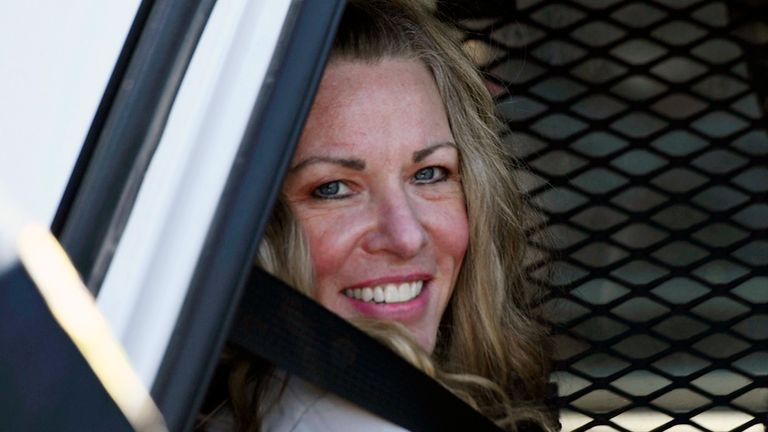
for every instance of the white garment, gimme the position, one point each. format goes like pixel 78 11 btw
pixel 304 407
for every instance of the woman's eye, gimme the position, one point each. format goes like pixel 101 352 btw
pixel 334 189
pixel 430 175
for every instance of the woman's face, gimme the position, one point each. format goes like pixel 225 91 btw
pixel 375 187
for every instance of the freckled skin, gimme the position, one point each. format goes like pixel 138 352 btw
pixel 387 222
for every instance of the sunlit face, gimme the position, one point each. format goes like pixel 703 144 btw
pixel 375 186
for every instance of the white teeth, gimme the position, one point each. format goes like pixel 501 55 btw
pixel 378 294
pixel 404 291
pixel 367 294
pixel 389 293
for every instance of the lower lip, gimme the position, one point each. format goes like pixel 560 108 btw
pixel 395 311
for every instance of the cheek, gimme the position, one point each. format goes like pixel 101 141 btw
pixel 459 234
pixel 326 255
pixel 329 247
pixel 450 229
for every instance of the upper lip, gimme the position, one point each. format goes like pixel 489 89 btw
pixel 396 279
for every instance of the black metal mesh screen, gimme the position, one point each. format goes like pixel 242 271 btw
pixel 642 125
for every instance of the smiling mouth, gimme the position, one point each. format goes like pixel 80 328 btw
pixel 387 293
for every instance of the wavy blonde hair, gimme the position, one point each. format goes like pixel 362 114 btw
pixel 492 347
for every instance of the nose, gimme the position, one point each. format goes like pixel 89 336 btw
pixel 398 229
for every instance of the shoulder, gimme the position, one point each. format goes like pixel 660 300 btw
pixel 303 407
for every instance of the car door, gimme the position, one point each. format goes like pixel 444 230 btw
pixel 177 172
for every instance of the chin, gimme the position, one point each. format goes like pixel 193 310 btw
pixel 424 340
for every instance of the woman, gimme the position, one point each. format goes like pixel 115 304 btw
pixel 399 212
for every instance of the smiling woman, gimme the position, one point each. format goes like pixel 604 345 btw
pixel 376 191
pixel 400 213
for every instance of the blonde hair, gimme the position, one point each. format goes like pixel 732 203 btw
pixel 492 347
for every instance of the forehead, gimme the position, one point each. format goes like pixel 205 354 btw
pixel 387 101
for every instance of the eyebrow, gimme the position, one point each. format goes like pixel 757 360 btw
pixel 422 154
pixel 359 165
pixel 355 164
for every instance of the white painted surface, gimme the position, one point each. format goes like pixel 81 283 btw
pixel 147 282
pixel 55 61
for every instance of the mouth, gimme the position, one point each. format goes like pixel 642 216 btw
pixel 389 293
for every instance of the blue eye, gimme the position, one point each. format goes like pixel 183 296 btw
pixel 430 175
pixel 331 190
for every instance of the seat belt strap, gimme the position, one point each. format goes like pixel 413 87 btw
pixel 300 336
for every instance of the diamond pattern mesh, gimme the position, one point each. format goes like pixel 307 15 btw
pixel 641 123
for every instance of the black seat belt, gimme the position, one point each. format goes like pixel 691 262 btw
pixel 300 336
